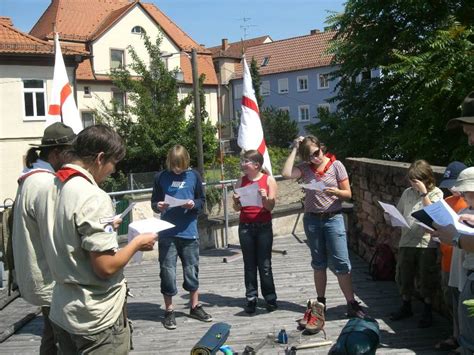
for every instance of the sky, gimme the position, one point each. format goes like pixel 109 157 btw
pixel 208 21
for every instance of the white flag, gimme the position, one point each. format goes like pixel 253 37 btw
pixel 250 129
pixel 62 107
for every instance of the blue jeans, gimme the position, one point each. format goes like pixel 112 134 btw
pixel 256 241
pixel 188 251
pixel 327 241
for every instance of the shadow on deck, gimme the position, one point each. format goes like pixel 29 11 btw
pixel 222 293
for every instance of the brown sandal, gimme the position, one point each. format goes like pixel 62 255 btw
pixel 448 344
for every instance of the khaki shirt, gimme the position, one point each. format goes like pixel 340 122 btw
pixel 32 236
pixel 411 201
pixel 83 303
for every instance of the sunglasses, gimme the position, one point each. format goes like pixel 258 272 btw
pixel 315 154
pixel 247 161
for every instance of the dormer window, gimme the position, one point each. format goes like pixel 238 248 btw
pixel 265 61
pixel 138 30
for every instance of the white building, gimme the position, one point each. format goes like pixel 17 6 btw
pixel 26 79
pixel 106 29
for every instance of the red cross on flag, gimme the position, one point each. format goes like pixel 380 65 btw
pixel 250 129
pixel 62 107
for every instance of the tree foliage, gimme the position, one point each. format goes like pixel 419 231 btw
pixel 153 118
pixel 424 50
pixel 278 128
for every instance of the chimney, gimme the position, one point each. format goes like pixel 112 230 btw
pixel 225 44
pixel 313 32
pixel 6 21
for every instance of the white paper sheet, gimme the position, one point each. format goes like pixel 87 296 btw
pixel 150 225
pixel 443 215
pixel 174 202
pixel 249 195
pixel 314 185
pixel 396 218
pixel 127 211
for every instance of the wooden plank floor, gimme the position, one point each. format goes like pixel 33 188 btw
pixel 222 293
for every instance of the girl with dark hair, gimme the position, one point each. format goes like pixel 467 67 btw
pixel 255 232
pixel 323 221
pixel 89 298
pixel 417 253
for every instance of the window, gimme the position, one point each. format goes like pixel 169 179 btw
pixel 116 58
pixel 34 95
pixel 365 75
pixel 303 113
pixel 302 83
pixel 238 91
pixel 265 88
pixel 119 99
pixel 283 86
pixel 323 81
pixel 87 118
pixel 87 91
pixel 265 61
pixel 284 109
pixel 325 107
pixel 138 30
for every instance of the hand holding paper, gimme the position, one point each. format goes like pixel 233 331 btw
pixel 175 202
pixel 249 195
pixel 396 218
pixel 314 185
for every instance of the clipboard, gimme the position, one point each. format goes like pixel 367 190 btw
pixel 423 217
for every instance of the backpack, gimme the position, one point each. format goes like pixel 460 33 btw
pixel 6 244
pixel 383 264
pixel 358 337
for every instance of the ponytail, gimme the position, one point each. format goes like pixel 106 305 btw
pixel 31 157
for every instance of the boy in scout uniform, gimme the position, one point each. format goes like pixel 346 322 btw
pixel 88 306
pixel 33 223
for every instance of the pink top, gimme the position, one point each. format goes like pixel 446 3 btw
pixel 318 201
pixel 255 214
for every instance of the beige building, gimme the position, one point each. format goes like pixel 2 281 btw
pixel 227 62
pixel 106 29
pixel 26 79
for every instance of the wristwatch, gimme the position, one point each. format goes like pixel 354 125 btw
pixel 457 240
pixel 424 195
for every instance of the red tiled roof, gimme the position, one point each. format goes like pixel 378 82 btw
pixel 235 49
pixel 13 41
pixel 291 54
pixel 205 66
pixel 6 21
pixel 85 20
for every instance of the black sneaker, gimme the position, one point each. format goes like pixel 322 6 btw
pixel 426 320
pixel 355 310
pixel 251 306
pixel 271 305
pixel 170 321
pixel 199 313
pixel 404 312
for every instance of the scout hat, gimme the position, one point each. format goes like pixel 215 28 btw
pixel 451 174
pixel 467 113
pixel 465 181
pixel 56 134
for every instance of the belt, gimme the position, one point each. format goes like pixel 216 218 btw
pixel 325 215
pixel 469 272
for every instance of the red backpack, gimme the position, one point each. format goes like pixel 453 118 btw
pixel 383 264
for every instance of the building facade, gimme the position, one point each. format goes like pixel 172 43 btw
pixel 26 80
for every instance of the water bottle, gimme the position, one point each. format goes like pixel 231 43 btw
pixel 283 337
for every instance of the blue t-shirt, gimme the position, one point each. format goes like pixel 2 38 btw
pixel 187 186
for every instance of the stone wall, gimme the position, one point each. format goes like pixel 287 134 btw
pixel 372 181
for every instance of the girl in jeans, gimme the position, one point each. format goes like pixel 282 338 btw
pixel 255 232
pixel 323 221
pixel 181 182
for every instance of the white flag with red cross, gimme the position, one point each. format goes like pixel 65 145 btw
pixel 250 129
pixel 62 107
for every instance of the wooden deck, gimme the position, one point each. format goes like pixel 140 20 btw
pixel 222 293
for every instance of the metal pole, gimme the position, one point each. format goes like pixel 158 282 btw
pixel 197 112
pixel 226 217
pixel 219 120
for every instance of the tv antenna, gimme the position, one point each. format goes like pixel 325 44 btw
pixel 246 26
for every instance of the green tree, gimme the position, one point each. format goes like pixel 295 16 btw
pixel 153 118
pixel 278 128
pixel 424 50
pixel 256 81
